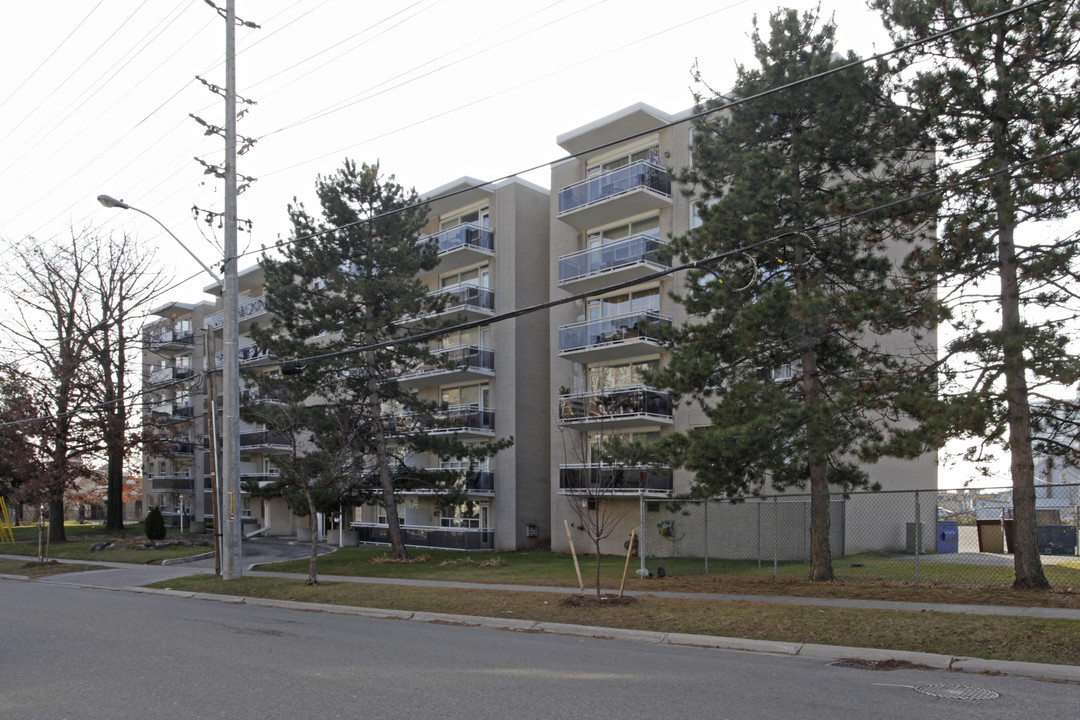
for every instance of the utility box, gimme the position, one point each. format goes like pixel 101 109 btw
pixel 1056 539
pixel 916 538
pixel 948 537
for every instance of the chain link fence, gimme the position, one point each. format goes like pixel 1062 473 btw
pixel 925 537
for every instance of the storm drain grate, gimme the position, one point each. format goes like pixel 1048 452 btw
pixel 957 692
pixel 856 664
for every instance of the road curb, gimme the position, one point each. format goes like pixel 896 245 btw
pixel 1039 671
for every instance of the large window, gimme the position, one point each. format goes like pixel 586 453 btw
pixel 650 153
pixel 477 277
pixel 624 303
pixel 481 217
pixel 478 394
pixel 480 336
pixel 595 441
pixel 632 374
pixel 648 226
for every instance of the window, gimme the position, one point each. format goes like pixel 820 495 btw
pixel 481 217
pixel 477 277
pixel 624 303
pixel 473 336
pixel 478 394
pixel 648 226
pixel 650 153
pixel 606 377
pixel 595 441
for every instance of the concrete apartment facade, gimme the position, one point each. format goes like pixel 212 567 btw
pixel 557 381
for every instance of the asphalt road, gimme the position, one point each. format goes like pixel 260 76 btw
pixel 89 653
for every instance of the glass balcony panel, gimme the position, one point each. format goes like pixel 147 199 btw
pixel 636 249
pixel 639 175
pixel 609 330
pixel 429 537
pixel 454 418
pixel 471 235
pixel 616 478
pixel 613 404
pixel 247 310
pixel 467 295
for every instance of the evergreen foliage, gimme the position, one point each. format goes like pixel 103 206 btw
pixel 1003 99
pixel 347 281
pixel 807 353
pixel 154 525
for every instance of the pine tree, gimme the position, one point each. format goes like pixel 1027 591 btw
pixel 786 347
pixel 351 281
pixel 1004 100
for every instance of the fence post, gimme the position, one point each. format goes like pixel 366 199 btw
pixel 706 501
pixel 641 534
pixel 918 537
pixel 758 534
pixel 774 535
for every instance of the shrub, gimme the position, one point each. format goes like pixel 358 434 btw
pixel 155 525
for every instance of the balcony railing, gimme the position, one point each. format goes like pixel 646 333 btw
pixel 455 358
pixel 615 478
pixel 180 447
pixel 160 339
pixel 470 235
pixel 640 175
pixel 603 259
pixel 455 418
pixel 246 354
pixel 168 374
pixel 467 296
pixel 614 404
pixel 265 438
pixel 480 481
pixel 612 330
pixel 171 483
pixel 245 311
pixel 429 536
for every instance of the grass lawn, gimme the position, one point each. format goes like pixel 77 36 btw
pixel 34 569
pixel 81 537
pixel 873 581
pixel 1003 638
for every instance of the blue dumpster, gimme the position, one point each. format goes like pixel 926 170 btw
pixel 948 537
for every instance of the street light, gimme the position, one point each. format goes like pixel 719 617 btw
pixel 230 530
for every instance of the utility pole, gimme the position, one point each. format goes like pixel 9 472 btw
pixel 232 527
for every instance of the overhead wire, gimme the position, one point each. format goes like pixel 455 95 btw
pixel 702 263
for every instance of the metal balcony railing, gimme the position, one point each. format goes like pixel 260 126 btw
pixel 642 175
pixel 451 419
pixel 245 311
pixel 614 403
pixel 615 478
pixel 462 356
pixel 611 330
pixel 472 235
pixel 467 296
pixel 634 249
pixel 429 536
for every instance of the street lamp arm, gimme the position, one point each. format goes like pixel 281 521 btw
pixel 111 202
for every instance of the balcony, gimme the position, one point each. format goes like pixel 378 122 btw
pixel 246 354
pixel 467 421
pixel 171 483
pixel 180 448
pixel 472 302
pixel 164 375
pixel 629 259
pixel 462 245
pixel 616 408
pixel 162 340
pixel 265 440
pixel 174 411
pixel 612 338
pixel 586 478
pixel 475 482
pixel 637 188
pixel 424 536
pixel 245 311
pixel 451 365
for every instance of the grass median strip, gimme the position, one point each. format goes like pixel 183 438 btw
pixel 1002 638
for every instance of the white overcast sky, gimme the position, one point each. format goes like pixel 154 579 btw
pixel 96 96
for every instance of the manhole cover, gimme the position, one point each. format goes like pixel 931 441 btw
pixel 957 692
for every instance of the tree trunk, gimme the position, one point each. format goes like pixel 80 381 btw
pixel 313 561
pixel 397 542
pixel 114 492
pixel 1026 560
pixel 820 552
pixel 56 521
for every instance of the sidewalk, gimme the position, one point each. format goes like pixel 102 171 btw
pixel 132 578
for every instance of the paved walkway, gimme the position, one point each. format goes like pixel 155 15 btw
pixel 127 577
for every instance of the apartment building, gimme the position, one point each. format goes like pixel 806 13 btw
pixel 492 242
pixel 174 390
pixel 612 205
pixel 558 382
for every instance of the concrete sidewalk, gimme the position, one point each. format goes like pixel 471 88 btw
pixel 132 578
